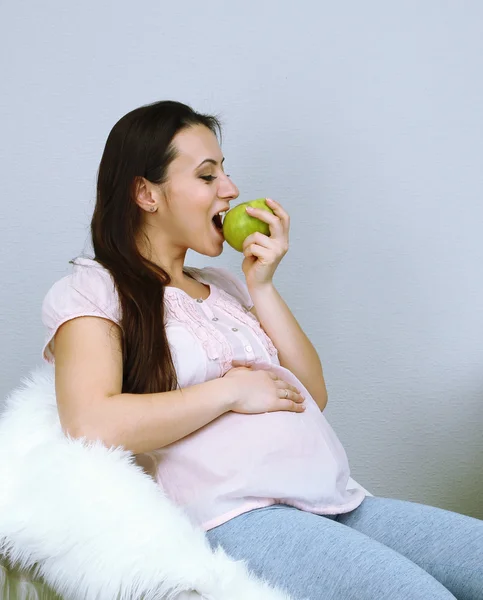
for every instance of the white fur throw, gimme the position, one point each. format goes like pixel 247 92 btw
pixel 96 526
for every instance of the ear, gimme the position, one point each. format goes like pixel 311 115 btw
pixel 145 195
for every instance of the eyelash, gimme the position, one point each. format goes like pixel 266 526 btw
pixel 209 178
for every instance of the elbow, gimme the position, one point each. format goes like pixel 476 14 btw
pixel 90 432
pixel 321 401
pixel 321 398
pixel 80 429
pixel 318 392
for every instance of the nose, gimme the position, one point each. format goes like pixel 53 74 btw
pixel 227 189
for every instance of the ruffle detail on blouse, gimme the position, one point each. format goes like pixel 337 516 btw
pixel 181 308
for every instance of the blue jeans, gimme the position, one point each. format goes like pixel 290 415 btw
pixel 383 550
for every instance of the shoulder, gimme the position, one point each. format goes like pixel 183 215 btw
pixel 89 290
pixel 223 278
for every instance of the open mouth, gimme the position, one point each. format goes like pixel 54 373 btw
pixel 218 222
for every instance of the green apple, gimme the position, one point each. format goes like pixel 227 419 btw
pixel 238 224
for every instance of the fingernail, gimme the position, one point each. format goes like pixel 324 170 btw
pixel 250 209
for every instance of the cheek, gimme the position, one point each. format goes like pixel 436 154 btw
pixel 200 196
pixel 192 198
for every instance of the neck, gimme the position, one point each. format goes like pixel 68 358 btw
pixel 170 259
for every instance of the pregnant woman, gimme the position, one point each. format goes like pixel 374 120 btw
pixel 214 386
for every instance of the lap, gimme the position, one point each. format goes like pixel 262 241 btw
pixel 446 544
pixel 317 558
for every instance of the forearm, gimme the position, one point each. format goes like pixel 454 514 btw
pixel 145 422
pixel 295 350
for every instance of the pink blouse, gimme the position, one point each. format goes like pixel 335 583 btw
pixel 237 462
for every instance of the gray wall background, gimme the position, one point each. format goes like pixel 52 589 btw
pixel 364 119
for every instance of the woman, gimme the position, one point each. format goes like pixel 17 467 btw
pixel 214 386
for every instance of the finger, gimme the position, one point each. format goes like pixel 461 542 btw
pixel 279 211
pixel 273 221
pixel 286 386
pixel 291 406
pixel 290 395
pixel 259 251
pixel 274 245
pixel 287 405
pixel 258 238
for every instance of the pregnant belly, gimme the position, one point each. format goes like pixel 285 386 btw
pixel 275 455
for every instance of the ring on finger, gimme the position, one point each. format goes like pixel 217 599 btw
pixel 286 394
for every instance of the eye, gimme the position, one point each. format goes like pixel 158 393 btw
pixel 208 177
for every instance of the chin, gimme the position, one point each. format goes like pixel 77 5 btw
pixel 210 251
pixel 216 252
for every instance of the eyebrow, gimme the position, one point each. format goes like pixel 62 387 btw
pixel 210 160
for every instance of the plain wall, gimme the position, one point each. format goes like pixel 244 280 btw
pixel 364 119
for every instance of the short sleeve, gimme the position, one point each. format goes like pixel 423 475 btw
pixel 89 291
pixel 233 285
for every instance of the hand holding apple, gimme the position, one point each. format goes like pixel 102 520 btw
pixel 263 234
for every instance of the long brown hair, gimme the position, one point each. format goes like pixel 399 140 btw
pixel 139 145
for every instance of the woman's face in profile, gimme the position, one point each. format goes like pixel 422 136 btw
pixel 196 189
